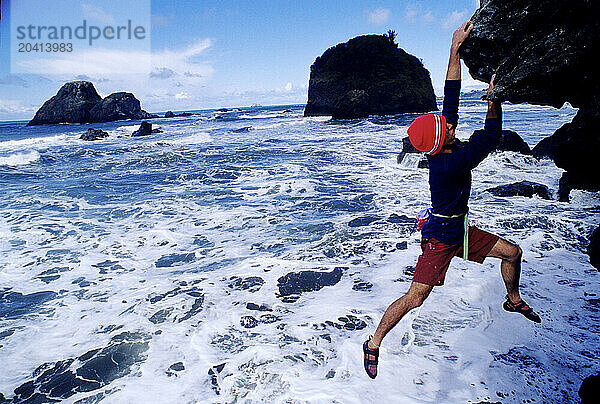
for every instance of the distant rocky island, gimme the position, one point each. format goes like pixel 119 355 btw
pixel 79 102
pixel 368 75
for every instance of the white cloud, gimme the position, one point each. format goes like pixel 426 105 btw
pixel 182 95
pixel 415 14
pixel 288 87
pixel 455 19
pixel 379 16
pixel 92 12
pixel 14 107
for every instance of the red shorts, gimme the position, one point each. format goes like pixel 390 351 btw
pixel 433 263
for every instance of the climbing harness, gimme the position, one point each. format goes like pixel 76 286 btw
pixel 424 215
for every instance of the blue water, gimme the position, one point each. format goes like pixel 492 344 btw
pixel 175 251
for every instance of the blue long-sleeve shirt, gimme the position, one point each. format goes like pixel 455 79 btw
pixel 450 173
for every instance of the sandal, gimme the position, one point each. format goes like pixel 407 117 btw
pixel 522 308
pixel 370 359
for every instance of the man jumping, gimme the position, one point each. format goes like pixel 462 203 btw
pixel 446 231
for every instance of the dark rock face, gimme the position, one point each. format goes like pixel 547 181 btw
pixel 295 283
pixel 594 248
pixel 169 114
pixel 368 75
pixel 118 106
pixel 523 188
pixel 511 141
pixel 544 52
pixel 93 134
pixel 94 369
pixel 72 104
pixel 79 102
pixel 145 129
pixel 590 390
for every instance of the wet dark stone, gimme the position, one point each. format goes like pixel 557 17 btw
pixel 15 304
pixel 248 322
pixel 352 323
pixel 108 265
pixel 99 367
pixel 172 259
pixel 403 245
pixel 213 372
pixel 195 309
pixel 407 147
pixel 145 129
pixel 401 219
pixel 254 306
pixel 523 188
pixel 363 221
pixel 590 390
pixel 511 141
pixel 94 134
pixel 362 286
pixel 177 366
pixel 251 283
pixel 269 318
pixel 295 283
pixel 593 249
pixel 160 316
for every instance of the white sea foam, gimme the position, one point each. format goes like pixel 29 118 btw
pixel 19 159
pixel 265 204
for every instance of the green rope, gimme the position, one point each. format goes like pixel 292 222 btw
pixel 466 231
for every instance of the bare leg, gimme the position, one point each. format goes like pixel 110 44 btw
pixel 415 296
pixel 510 267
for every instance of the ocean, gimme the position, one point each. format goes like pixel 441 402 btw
pixel 244 256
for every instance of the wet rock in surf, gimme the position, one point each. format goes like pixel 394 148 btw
pixel 511 141
pixel 523 188
pixel 15 304
pixel 248 322
pixel 593 249
pixel 250 283
pixel 172 259
pixel 91 371
pixel 408 148
pixel 254 306
pixel 145 129
pixel 93 134
pixel 363 221
pixel 349 323
pixel 590 390
pixel 401 219
pixel 214 372
pixel 292 285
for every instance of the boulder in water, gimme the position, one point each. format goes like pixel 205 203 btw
pixel 523 188
pixel 368 75
pixel 94 134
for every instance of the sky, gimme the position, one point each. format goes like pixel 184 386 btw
pixel 209 54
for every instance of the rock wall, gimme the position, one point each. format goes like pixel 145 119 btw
pixel 544 52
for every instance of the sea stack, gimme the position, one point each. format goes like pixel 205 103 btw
pixel 368 75
pixel 544 52
pixel 72 104
pixel 79 102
